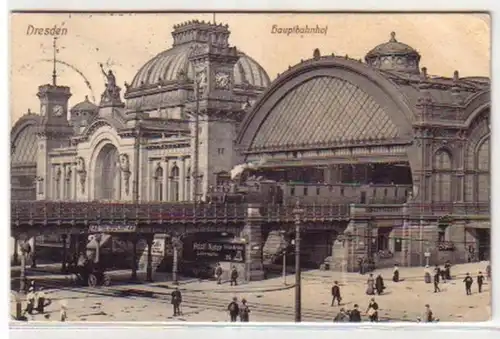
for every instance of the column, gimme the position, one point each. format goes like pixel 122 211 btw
pixel 133 239
pixel 74 183
pixel 182 178
pixel 64 253
pixel 166 174
pixel 15 256
pixel 62 183
pixel 252 233
pixel 32 243
pixel 176 246
pixel 149 265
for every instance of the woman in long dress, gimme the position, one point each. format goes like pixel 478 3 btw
pixel 370 285
pixel 427 274
pixel 372 310
pixel 395 274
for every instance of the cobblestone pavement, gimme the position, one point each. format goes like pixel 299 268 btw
pixel 270 300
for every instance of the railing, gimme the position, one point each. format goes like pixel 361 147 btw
pixel 53 211
pixel 454 208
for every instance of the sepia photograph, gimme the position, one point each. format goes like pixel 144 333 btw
pixel 250 167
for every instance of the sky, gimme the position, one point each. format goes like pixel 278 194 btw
pixel 124 42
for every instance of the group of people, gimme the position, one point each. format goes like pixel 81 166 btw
pixel 445 275
pixel 354 315
pixel 233 276
pixel 36 301
pixel 238 310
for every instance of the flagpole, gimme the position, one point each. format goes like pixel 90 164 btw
pixel 54 74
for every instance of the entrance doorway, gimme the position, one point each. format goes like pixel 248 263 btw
pixel 483 244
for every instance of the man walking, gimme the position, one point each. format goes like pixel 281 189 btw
pixel 176 301
pixel 480 281
pixel 468 284
pixel 40 301
pixel 436 281
pixel 234 276
pixel 336 293
pixel 233 309
pixel 244 311
pixel 218 274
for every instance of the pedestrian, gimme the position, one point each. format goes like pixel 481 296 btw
pixel 30 301
pixel 468 284
pixel 395 273
pixel 370 285
pixel 341 317
pixel 361 265
pixel 233 309
pixel 218 274
pixel 428 316
pixel 480 281
pixel 436 281
pixel 372 310
pixel 355 315
pixel 244 311
pixel 176 301
pixel 336 293
pixel 40 300
pixel 447 270
pixel 379 284
pixel 63 315
pixel 427 275
pixel 234 276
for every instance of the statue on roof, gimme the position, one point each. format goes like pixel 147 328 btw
pixel 112 91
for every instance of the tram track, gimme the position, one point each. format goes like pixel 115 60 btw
pixel 198 300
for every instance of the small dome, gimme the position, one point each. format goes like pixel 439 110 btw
pixel 85 106
pixel 394 56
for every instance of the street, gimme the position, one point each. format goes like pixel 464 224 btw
pixel 269 300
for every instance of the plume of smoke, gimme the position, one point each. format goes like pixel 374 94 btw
pixel 238 170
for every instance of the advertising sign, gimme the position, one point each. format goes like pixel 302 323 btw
pixel 112 228
pixel 219 251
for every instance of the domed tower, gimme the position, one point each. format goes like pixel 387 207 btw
pixel 203 81
pixel 394 56
pixel 82 113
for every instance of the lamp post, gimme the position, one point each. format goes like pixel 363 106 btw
pixel 283 234
pixel 25 250
pixel 297 212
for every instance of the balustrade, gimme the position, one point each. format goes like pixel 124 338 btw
pixel 50 211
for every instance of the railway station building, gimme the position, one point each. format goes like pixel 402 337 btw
pixel 379 132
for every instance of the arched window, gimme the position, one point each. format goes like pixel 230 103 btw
pixel 442 188
pixel 158 183
pixel 483 171
pixel 174 183
pixel 187 191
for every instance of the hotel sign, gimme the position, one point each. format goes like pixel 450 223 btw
pixel 219 251
pixel 112 228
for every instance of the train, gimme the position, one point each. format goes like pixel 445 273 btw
pixel 271 192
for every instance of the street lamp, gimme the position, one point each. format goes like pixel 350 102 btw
pixel 283 234
pixel 297 212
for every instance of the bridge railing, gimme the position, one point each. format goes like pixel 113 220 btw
pixel 45 211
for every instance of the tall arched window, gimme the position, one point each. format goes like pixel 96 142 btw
pixel 174 183
pixel 483 171
pixel 158 183
pixel 442 188
pixel 187 191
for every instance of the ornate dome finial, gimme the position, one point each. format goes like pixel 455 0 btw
pixel 393 37
pixel 86 98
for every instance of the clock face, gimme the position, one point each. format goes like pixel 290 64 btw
pixel 43 110
pixel 222 80
pixel 58 110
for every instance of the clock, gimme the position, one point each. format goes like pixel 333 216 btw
pixel 43 110
pixel 58 110
pixel 222 80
